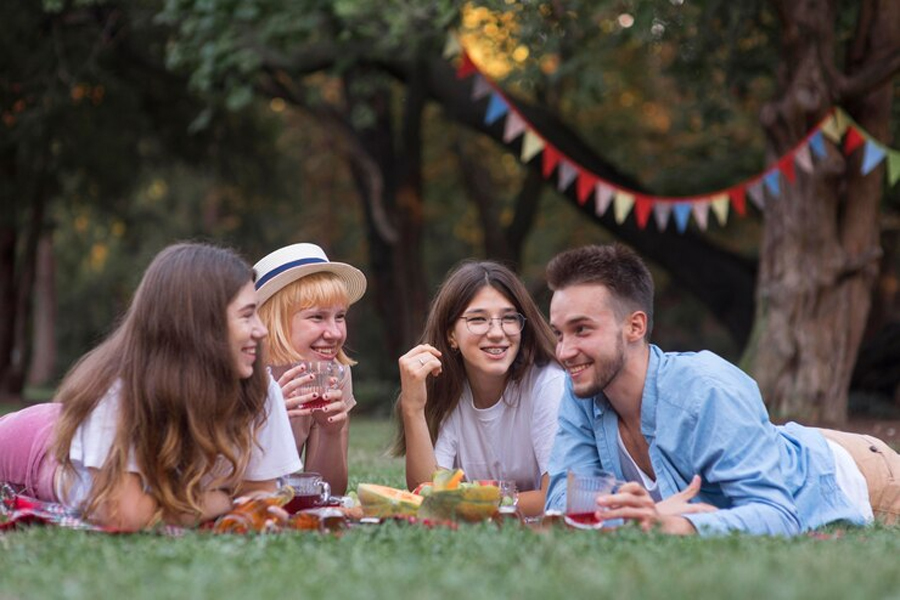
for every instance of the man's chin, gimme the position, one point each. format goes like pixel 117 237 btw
pixel 587 392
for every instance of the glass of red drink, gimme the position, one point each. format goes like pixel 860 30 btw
pixel 582 491
pixel 310 491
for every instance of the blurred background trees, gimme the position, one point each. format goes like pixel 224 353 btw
pixel 129 125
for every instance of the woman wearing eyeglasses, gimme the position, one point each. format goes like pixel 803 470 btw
pixel 481 390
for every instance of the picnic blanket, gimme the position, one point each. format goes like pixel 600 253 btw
pixel 18 509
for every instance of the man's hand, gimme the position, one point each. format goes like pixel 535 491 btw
pixel 634 503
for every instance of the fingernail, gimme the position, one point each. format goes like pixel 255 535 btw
pixel 315 394
pixel 330 419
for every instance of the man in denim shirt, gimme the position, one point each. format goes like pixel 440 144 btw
pixel 689 431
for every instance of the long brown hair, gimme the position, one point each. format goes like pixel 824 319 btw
pixel 181 404
pixel 453 297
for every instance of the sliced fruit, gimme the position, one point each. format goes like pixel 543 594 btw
pixel 446 479
pixel 384 501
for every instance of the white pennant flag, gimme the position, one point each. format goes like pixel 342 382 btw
pixel 566 175
pixel 480 88
pixel 661 212
pixel 755 191
pixel 602 198
pixel 622 204
pixel 700 210
pixel 803 158
pixel 514 127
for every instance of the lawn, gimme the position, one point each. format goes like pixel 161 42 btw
pixel 481 561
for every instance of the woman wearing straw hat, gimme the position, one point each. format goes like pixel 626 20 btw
pixel 304 299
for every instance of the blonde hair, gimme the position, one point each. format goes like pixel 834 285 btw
pixel 318 289
pixel 181 402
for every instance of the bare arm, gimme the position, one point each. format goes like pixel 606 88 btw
pixel 531 503
pixel 327 447
pixel 415 367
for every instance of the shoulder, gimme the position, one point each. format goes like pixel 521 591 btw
pixel 697 382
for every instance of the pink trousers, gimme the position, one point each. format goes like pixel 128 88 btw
pixel 25 459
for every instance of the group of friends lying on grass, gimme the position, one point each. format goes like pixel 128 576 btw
pixel 175 415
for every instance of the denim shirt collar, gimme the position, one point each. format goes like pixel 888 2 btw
pixel 648 397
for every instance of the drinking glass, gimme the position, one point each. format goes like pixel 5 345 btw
pixel 328 375
pixel 310 491
pixel 581 499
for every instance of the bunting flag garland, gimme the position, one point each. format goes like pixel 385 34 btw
pixel 837 126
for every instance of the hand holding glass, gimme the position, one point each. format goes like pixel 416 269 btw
pixel 327 375
pixel 581 499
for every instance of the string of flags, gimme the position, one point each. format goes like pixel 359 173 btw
pixel 835 126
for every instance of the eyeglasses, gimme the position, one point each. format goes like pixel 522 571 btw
pixel 511 323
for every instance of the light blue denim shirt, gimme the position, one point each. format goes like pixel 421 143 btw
pixel 702 415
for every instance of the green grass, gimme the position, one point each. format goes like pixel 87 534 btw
pixel 393 560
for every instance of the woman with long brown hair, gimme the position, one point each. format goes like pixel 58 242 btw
pixel 481 390
pixel 172 416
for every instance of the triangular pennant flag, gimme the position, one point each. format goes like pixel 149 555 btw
pixel 853 140
pixel 497 107
pixel 772 182
pixel 817 143
pixel 551 159
pixel 719 207
pixel 602 198
pixel 738 199
pixel 755 190
pixel 700 210
pixel 831 129
pixel 893 167
pixel 873 156
pixel 452 47
pixel 841 120
pixel 531 145
pixel 515 126
pixel 643 206
pixel 566 175
pixel 786 166
pixel 804 158
pixel 661 212
pixel 480 88
pixel 584 186
pixel 622 203
pixel 682 212
pixel 466 67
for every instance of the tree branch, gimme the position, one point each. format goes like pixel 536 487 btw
pixel 876 73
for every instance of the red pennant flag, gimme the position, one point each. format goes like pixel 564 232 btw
pixel 643 206
pixel 786 165
pixel 853 140
pixel 551 159
pixel 584 186
pixel 466 67
pixel 738 199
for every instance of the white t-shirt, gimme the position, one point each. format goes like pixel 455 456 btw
pixel 273 457
pixel 510 440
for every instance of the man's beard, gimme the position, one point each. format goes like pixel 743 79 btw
pixel 604 373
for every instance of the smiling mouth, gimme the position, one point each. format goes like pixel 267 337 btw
pixel 329 352
pixel 576 370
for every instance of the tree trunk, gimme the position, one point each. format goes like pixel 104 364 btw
pixel 820 248
pixel 43 356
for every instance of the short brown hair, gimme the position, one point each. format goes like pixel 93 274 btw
pixel 614 266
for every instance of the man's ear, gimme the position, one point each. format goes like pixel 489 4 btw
pixel 636 326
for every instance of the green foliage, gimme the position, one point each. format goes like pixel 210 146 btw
pixel 479 561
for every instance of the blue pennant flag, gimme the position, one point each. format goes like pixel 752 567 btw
pixel 772 182
pixel 817 144
pixel 872 157
pixel 497 107
pixel 682 211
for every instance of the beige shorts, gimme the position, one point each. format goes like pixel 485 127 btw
pixel 879 465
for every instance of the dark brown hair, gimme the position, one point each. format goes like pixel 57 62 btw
pixel 616 267
pixel 453 297
pixel 181 403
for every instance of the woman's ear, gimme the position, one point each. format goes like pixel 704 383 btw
pixel 451 340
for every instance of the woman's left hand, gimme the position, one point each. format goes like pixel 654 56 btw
pixel 331 418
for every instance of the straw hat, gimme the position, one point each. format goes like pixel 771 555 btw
pixel 288 264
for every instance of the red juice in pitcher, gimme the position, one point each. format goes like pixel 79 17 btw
pixel 302 502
